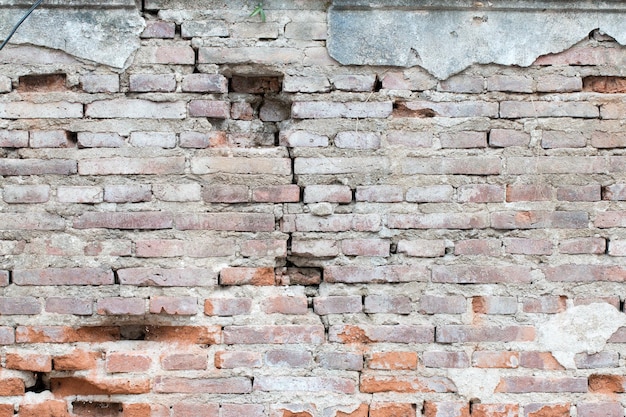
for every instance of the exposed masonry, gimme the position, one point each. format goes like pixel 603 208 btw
pixel 237 225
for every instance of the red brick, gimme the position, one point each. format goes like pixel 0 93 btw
pixel 585 273
pixel 490 359
pixel 205 83
pixel 495 410
pixel 159 29
pixel 539 360
pixel 156 277
pixel 600 409
pixel 234 385
pixel 472 334
pixel 68 386
pixel 475 274
pixel 528 193
pixel 63 276
pixel 288 358
pixel 392 360
pixel 405 384
pixel 590 192
pixel 247 276
pixel 392 410
pixel 540 220
pixel 490 247
pixel 10 387
pixel 12 167
pixel 274 334
pixel 121 306
pixel 340 361
pixel 494 305
pixel 337 304
pixel 546 304
pixel 381 333
pixel 432 304
pixel 443 359
pixel 132 166
pixel 394 304
pixel 194 410
pixel 180 306
pixel 350 110
pixel 123 108
pixel 184 361
pixel 227 306
pixel 523 246
pixel 236 222
pixel 127 362
pixel 381 274
pixel 76 360
pixel 378 193
pixel 19 305
pixel 285 305
pixel 48 408
pixel 152 82
pixel 34 362
pixel 238 359
pixel 276 194
pixel 593 245
pixel 144 410
pixel 525 384
pixel 307 384
pixel 547 410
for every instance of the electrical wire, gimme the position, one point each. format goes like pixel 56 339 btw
pixel 33 7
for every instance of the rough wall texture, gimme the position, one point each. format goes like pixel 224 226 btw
pixel 236 225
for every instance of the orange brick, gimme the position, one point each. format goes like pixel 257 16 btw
pixel 495 410
pixel 362 411
pixel 77 360
pixel 393 360
pixel 29 362
pixel 66 386
pixel 51 408
pixel 446 409
pixel 392 410
pixel 6 410
pixel 11 386
pixel 487 359
pixel 127 362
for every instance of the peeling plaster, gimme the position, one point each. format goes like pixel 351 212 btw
pixel 579 329
pixel 447 36
pixel 106 35
pixel 475 382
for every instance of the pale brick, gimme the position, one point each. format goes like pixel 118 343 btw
pixel 422 248
pixel 559 84
pixel 126 108
pixel 143 83
pixel 331 165
pixel 524 109
pixel 240 165
pixel 132 166
pixel 365 247
pixel 442 359
pixel 582 245
pixel 430 194
pixel 448 109
pixel 227 306
pixel 288 358
pixel 161 277
pixel 177 54
pixel 494 305
pixel 337 305
pixel 350 110
pixel 119 306
pixel 128 193
pixel 314 248
pixel 80 194
pixel 510 83
pixel 49 139
pixel 503 138
pixel 414 80
pixel 204 29
pixel 156 139
pixel 100 83
pixel 13 138
pixel 176 192
pixel 475 274
pixel 180 306
pixel 249 55
pixel 201 140
pixel 255 30
pixel 306 31
pixel 353 82
pixel 392 304
pixel 471 165
pixel 379 193
pixel 99 140
pixel 463 140
pixel 304 84
pixel 463 84
pixel 277 194
pixel 159 30
pixel 66 305
pixel 604 359
pixel 409 139
pixel 26 194
pixel 19 305
pixel 209 108
pixel 379 274
pixel 524 246
pixel 29 110
pixel 481 193
pixel 205 83
pixel 340 361
pixel 551 139
pixel 5 84
pixel 328 193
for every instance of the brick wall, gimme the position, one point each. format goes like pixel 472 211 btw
pixel 237 225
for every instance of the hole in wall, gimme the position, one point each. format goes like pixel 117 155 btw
pixel 37 83
pixel 42 383
pixel 96 409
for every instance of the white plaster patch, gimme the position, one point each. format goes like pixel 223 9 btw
pixel 475 382
pixel 579 329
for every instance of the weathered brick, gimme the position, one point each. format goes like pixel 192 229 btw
pixel 285 305
pixel 237 410
pixel 555 83
pixel 227 306
pixel 392 360
pixel 76 360
pixel 121 306
pixel 233 385
pixel 305 84
pixel 99 140
pixel 524 384
pixel 481 193
pixel 56 408
pixel 262 248
pixel 157 139
pixel 446 409
pixel 337 304
pixel 19 305
pixel 7 335
pixel 491 359
pixel 62 334
pixel 288 358
pixel 524 109
pixel 381 333
pixel 177 192
pixel 100 83
pixel 180 306
pixel 528 192
pixel 379 409
pixel 447 109
pixel 159 29
pixel 307 384
pixel 549 409
pixel 65 386
pixel 471 334
pixel 357 140
pixel 10 167
pixel 200 140
pixel 184 361
pixel 132 166
pixel 504 138
pixel 209 108
pixel 381 274
pixel 411 79
pixel 5 84
pixel 306 30
pixel 35 362
pixel 584 273
pixel 539 360
pixel 591 192
pixel 430 194
pixel 238 359
pixel 25 194
pixel 523 246
pixel 398 304
pixel 471 165
pixel 205 83
pixel 437 221
pixel 80 194
pixel 582 245
pixel 551 139
pixel 557 165
pixel 546 304
pixel 443 359
pixel 63 276
pixel 50 110
pixel 317 248
pixel 605 140
pixel 238 222
pixel 423 248
pixel 606 383
pixel 475 274
pixel 124 220
pixel 241 165
pixel 135 109
pixel 600 409
pixel 13 138
pixel 353 82
pixel 405 384
pixel 463 140
pixel 249 55
pixel 49 139
pixel 604 359
pixel 127 362
pixel 510 83
pixel 166 277
pixel 226 194
pixel 432 304
pixel 494 305
pixel 11 387
pixel 404 138
pixel 4 278
pixel 331 165
pixel 274 334
pixel 540 220
pixel 247 276
pixel 350 110
pixel 462 84
pixel 152 83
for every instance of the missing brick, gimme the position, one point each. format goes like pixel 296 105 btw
pixel 42 383
pixel 133 332
pixel 42 83
pixel 96 409
pixel 256 85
